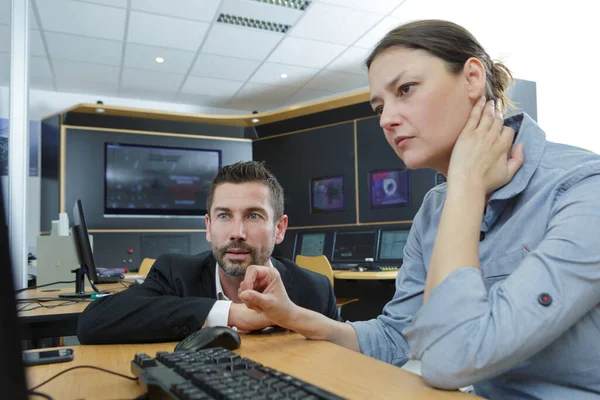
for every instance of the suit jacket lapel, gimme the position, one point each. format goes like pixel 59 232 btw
pixel 208 275
pixel 286 277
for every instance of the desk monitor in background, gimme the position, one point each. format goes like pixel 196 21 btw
pixel 391 245
pixel 310 244
pixel 354 246
pixel 12 373
pixel 85 256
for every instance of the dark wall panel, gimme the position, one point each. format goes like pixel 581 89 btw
pixel 50 172
pixel 374 153
pixel 85 174
pixel 296 159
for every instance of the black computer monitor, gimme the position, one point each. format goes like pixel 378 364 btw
pixel 85 257
pixel 310 244
pixel 12 372
pixel 391 245
pixel 354 246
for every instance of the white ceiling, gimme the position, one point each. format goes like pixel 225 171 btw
pixel 109 47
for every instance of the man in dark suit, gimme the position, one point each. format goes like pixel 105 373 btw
pixel 182 294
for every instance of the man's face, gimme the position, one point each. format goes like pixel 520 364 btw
pixel 241 228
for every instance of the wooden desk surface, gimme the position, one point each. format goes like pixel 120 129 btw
pixel 369 275
pixel 67 307
pixel 341 371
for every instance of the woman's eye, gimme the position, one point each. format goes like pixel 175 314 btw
pixel 404 89
pixel 379 110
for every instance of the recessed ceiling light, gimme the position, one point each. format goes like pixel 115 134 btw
pixel 283 76
pixel 255 120
pixel 100 110
pixel 160 60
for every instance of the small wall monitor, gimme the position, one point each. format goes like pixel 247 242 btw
pixel 354 246
pixel 391 245
pixel 327 194
pixel 389 188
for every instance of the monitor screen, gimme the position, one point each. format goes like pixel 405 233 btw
pixel 354 246
pixel 312 244
pixel 152 180
pixel 327 194
pixel 389 188
pixel 391 245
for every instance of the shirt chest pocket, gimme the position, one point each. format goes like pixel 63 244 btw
pixel 498 269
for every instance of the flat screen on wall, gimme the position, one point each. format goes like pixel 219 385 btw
pixel 389 188
pixel 157 181
pixel 327 194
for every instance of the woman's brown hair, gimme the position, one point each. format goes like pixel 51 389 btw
pixel 453 44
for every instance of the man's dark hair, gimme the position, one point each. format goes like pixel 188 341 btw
pixel 249 171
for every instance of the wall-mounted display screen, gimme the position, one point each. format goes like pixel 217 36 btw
pixel 161 181
pixel 327 194
pixel 389 188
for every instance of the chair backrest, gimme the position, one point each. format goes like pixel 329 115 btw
pixel 318 264
pixel 146 265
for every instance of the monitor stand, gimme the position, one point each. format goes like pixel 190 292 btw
pixel 80 292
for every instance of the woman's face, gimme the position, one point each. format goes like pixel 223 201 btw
pixel 423 106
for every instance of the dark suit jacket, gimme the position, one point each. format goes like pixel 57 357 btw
pixel 177 296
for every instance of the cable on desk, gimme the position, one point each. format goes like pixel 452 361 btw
pixel 132 378
pixel 44 395
pixel 40 286
pixel 40 305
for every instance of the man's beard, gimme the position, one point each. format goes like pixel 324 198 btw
pixel 238 267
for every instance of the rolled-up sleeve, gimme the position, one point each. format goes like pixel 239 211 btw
pixel 464 334
pixel 382 337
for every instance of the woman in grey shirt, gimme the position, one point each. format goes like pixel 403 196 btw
pixel 500 284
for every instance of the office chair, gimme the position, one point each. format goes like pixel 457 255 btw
pixel 321 265
pixel 146 265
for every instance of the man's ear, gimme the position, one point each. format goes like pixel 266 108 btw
pixel 475 78
pixel 207 221
pixel 281 227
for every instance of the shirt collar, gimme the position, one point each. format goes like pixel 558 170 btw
pixel 219 287
pixel 533 138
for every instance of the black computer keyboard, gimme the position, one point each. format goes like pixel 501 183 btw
pixel 217 373
pixel 383 267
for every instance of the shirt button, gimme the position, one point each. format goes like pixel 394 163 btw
pixel 176 331
pixel 545 299
pixel 185 330
pixel 481 236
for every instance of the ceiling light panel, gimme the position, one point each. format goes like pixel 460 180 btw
pixel 253 23
pixel 300 5
pixel 260 11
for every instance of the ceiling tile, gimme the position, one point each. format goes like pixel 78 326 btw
pixel 36 46
pixel 305 53
pixel 337 82
pixel 200 10
pixel 90 88
pixel 211 66
pixel 4 38
pixel 144 57
pixel 79 72
pixel 306 96
pixel 211 87
pixel 270 74
pixel 39 67
pixel 196 99
pixel 258 97
pixel 151 80
pixel 156 30
pixel 79 48
pixel 381 7
pixel 371 38
pixel 82 18
pixel 41 83
pixel 351 61
pixel 146 94
pixel 260 11
pixel 334 24
pixel 237 41
pixel 112 3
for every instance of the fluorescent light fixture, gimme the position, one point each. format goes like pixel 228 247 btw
pixel 160 60
pixel 283 76
pixel 255 120
pixel 253 23
pixel 294 4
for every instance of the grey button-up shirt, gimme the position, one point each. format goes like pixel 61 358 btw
pixel 527 323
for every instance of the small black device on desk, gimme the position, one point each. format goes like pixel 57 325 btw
pixel 47 356
pixel 217 373
pixel 212 336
